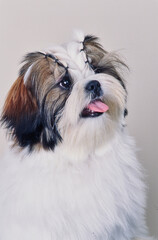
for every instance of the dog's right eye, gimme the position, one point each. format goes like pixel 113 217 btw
pixel 65 83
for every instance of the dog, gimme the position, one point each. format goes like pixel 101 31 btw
pixel 71 172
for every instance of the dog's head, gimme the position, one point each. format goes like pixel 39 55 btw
pixel 72 93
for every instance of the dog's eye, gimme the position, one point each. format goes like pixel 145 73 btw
pixel 98 69
pixel 65 83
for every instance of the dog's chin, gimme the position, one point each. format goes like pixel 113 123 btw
pixel 91 134
pixel 92 130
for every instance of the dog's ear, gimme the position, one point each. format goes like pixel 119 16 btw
pixel 93 48
pixel 102 61
pixel 20 114
pixel 23 113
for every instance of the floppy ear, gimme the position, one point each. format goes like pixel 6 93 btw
pixel 25 113
pixel 103 61
pixel 20 115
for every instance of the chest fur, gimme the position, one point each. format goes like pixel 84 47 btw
pixel 86 201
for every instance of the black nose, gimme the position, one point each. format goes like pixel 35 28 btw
pixel 94 88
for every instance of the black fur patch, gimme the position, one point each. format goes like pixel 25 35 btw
pixel 26 130
pixel 125 112
pixel 90 38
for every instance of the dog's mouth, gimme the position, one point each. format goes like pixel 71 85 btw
pixel 94 109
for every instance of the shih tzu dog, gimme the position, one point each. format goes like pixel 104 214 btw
pixel 71 173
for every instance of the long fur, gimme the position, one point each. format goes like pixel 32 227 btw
pixel 69 177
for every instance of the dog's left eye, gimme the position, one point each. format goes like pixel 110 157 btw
pixel 65 82
pixel 98 69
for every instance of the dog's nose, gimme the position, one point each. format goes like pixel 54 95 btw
pixel 94 88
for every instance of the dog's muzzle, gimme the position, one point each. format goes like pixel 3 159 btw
pixel 96 107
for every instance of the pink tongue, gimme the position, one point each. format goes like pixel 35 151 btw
pixel 97 106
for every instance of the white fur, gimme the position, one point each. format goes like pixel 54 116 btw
pixel 27 74
pixel 46 195
pixel 90 187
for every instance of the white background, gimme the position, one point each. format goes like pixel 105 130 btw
pixel 127 26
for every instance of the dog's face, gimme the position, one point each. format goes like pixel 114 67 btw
pixel 72 94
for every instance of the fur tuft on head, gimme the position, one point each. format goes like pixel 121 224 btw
pixel 78 35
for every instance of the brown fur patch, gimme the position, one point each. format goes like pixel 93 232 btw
pixel 19 101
